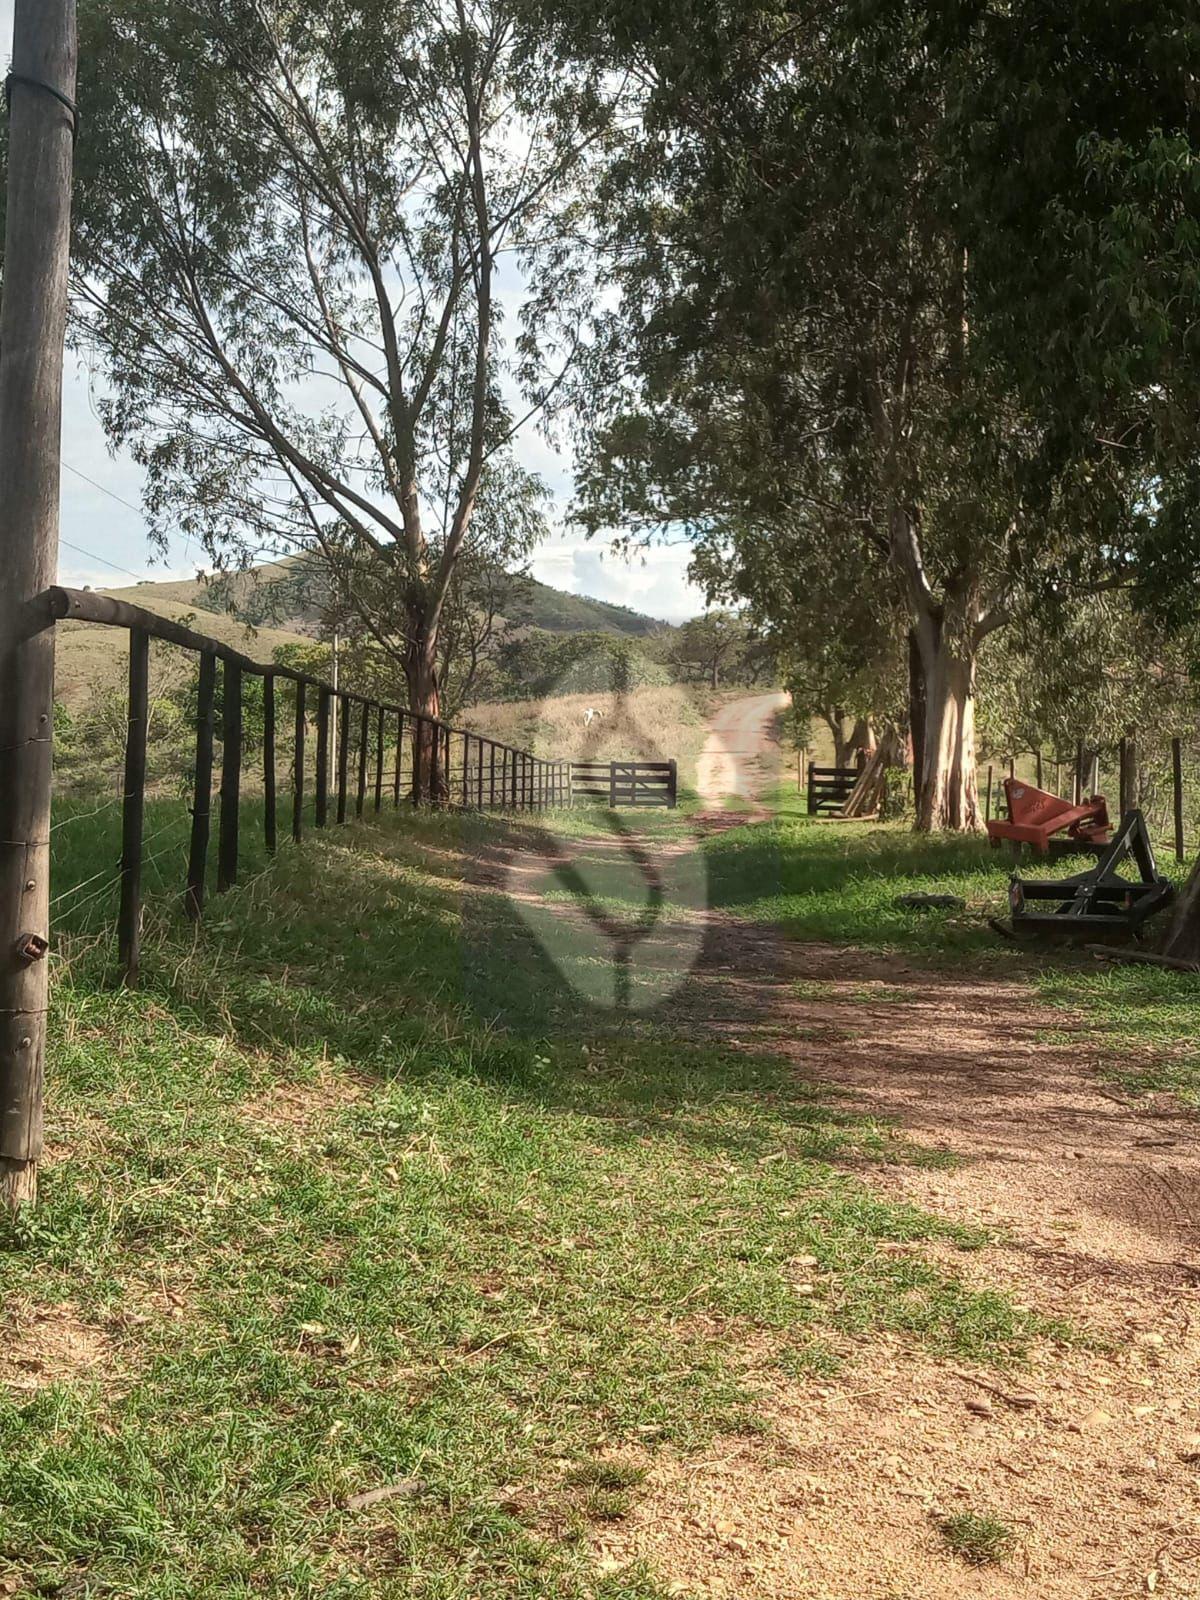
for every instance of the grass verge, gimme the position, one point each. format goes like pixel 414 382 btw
pixel 354 1195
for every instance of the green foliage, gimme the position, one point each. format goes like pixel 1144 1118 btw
pixel 536 664
pixel 718 648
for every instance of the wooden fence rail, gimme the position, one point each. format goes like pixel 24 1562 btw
pixel 487 774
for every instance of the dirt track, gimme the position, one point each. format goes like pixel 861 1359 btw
pixel 1097 1203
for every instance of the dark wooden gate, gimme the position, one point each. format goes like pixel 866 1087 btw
pixel 625 783
pixel 830 787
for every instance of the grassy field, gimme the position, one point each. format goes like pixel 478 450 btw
pixel 355 1199
pixel 90 658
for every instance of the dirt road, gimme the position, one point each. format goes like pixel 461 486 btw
pixel 1093 1203
pixel 741 758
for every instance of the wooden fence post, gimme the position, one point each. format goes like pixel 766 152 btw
pixel 491 774
pixel 418 743
pixel 1037 756
pixel 399 757
pixel 987 810
pixel 37 222
pixel 466 779
pixel 269 817
pixel 298 765
pixel 1079 778
pixel 231 775
pixel 379 761
pixel 435 762
pixel 1177 794
pixel 321 802
pixel 193 894
pixel 612 785
pixel 133 807
pixel 673 786
pixel 343 759
pixel 364 735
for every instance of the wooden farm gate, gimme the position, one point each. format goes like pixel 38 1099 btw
pixel 830 787
pixel 625 783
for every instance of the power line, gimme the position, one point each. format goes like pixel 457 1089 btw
pixel 128 504
pixel 103 560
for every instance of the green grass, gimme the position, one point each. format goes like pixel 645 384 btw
pixel 354 1191
pixel 838 883
pixel 1143 1018
pixel 976 1538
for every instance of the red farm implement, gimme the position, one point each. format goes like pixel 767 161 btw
pixel 1035 817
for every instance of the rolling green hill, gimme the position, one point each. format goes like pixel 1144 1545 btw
pixel 276 595
pixel 260 610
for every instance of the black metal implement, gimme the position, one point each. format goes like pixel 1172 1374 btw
pixel 1101 898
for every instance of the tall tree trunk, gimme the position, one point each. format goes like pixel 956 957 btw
pixel 421 674
pixel 949 795
pixel 916 716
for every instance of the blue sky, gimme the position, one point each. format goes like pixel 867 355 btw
pixel 104 536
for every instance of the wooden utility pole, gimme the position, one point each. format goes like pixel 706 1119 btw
pixel 32 327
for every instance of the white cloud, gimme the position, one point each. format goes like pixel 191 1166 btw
pixel 654 580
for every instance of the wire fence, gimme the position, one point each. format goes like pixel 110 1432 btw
pixel 208 746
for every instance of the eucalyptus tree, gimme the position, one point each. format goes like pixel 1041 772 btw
pixel 327 257
pixel 1085 226
pixel 799 344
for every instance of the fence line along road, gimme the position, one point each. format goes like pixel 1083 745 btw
pixel 490 775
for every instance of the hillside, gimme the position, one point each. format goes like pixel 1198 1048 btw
pixel 272 609
pixel 88 657
pixel 275 594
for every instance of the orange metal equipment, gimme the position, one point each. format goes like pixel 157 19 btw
pixel 1035 815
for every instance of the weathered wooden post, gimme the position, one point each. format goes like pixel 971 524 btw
pixel 133 807
pixel 298 764
pixel 435 762
pixel 1177 794
pixel 1037 756
pixel 419 741
pixel 343 760
pixel 673 786
pixel 321 800
pixel 231 775
pixel 379 761
pixel 193 894
pixel 32 325
pixel 1079 778
pixel 269 817
pixel 364 735
pixel 987 810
